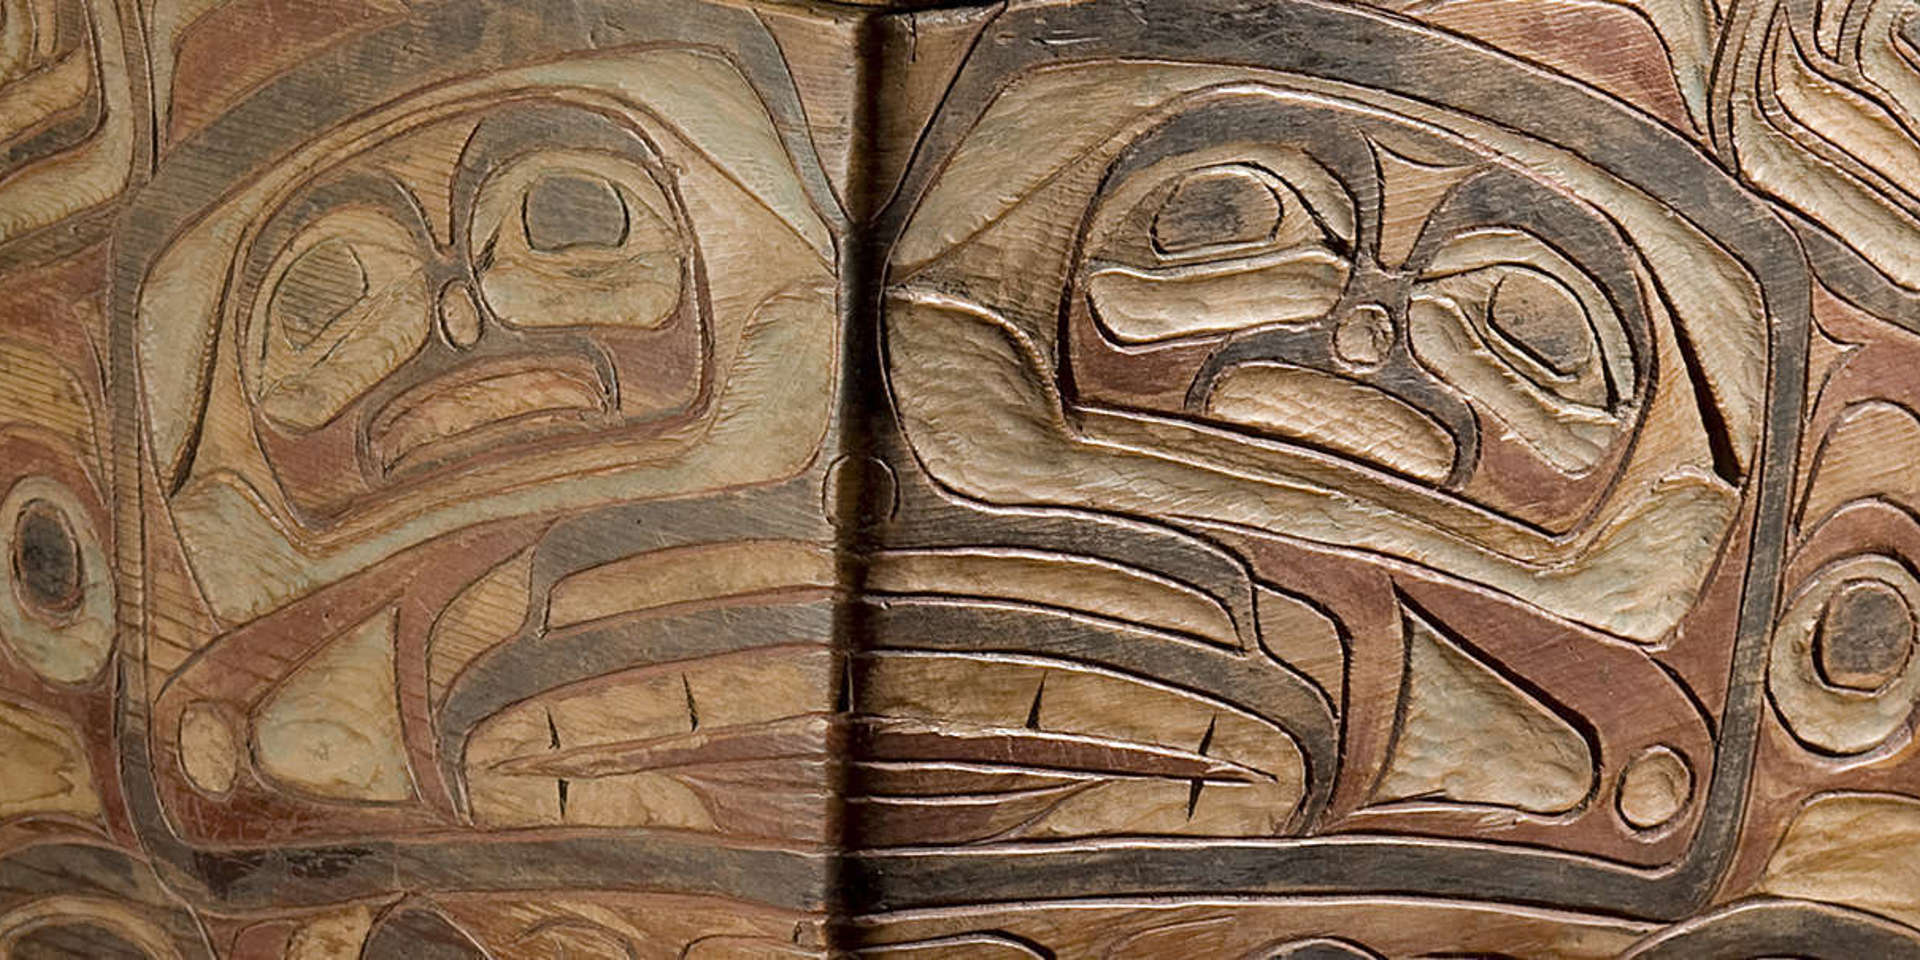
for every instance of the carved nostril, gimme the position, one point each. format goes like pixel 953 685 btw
pixel 459 316
pixel 1363 337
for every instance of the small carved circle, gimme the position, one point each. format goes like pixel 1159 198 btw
pixel 46 560
pixel 1363 337
pixel 1864 637
pixel 1654 788
pixel 859 492
pixel 209 749
pixel 1840 670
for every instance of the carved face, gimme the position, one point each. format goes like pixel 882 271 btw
pixel 429 400
pixel 479 304
pixel 1368 289
pixel 1302 310
pixel 566 303
pixel 1423 367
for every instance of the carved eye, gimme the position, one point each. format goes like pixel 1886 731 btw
pixel 1536 326
pixel 578 239
pixel 566 211
pixel 56 606
pixel 346 303
pixel 1218 247
pixel 1542 320
pixel 1528 336
pixel 319 287
pixel 46 560
pixel 1224 206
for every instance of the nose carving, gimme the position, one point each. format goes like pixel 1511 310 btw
pixel 459 316
pixel 1362 338
pixel 1356 357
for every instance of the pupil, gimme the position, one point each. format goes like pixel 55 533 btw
pixel 46 560
pixel 563 212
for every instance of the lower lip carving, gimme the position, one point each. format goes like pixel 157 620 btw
pixel 461 413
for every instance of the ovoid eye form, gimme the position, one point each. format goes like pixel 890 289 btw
pixel 46 559
pixel 1215 207
pixel 1542 318
pixel 323 283
pixel 562 212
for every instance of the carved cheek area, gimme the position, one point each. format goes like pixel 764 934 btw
pixel 1216 248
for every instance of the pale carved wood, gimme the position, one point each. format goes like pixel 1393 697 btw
pixel 1186 478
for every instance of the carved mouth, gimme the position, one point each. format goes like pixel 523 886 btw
pixel 734 744
pixel 484 405
pixel 1345 416
pixel 789 738
pixel 906 739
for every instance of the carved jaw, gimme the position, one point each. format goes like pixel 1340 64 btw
pixel 518 676
pixel 688 688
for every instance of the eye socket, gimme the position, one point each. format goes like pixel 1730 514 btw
pixel 343 305
pixel 1192 209
pixel 1536 312
pixel 1188 248
pixel 574 238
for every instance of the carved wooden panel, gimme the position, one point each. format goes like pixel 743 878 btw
pixel 1113 478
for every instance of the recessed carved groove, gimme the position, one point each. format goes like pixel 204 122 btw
pixel 897 479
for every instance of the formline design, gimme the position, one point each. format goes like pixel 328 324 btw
pixel 497 479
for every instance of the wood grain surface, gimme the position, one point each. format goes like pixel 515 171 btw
pixel 1101 479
